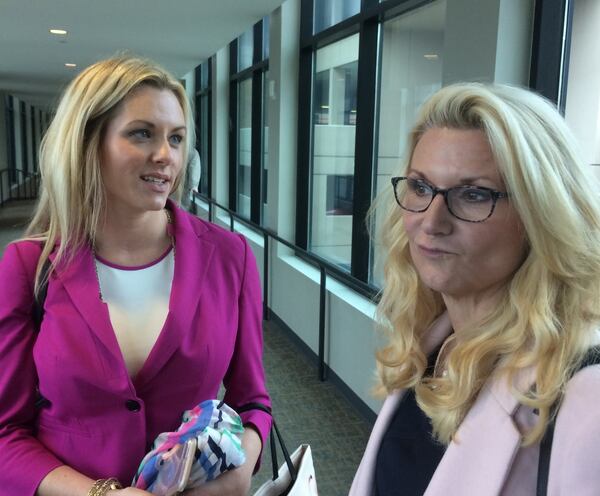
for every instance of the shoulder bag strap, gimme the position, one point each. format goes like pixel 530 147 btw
pixel 39 299
pixel 273 437
pixel 591 358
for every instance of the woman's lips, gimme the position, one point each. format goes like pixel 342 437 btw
pixel 432 252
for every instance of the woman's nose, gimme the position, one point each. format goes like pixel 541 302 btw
pixel 162 151
pixel 437 218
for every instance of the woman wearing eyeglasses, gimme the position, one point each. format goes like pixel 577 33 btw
pixel 490 305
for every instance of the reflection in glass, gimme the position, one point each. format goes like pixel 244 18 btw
pixel 245 49
pixel 202 142
pixel 328 13
pixel 244 146
pixel 266 36
pixel 202 76
pixel 265 144
pixel 411 70
pixel 334 119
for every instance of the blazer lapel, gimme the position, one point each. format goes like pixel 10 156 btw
pixel 80 281
pixel 478 461
pixel 192 259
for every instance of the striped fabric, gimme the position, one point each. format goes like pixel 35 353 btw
pixel 216 429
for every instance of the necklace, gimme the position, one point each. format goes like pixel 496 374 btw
pixel 169 233
pixel 440 368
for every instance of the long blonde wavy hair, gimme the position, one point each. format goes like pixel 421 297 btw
pixel 72 196
pixel 548 312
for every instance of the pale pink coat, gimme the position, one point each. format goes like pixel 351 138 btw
pixel 487 458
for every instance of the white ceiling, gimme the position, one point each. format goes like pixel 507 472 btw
pixel 179 34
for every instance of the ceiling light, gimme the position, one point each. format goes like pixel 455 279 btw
pixel 70 64
pixel 431 56
pixel 61 32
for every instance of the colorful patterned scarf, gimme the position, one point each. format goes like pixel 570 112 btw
pixel 217 429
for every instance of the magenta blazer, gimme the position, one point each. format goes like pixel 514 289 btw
pixel 487 458
pixel 97 419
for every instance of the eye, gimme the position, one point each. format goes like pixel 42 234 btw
pixel 419 188
pixel 140 133
pixel 176 139
pixel 474 195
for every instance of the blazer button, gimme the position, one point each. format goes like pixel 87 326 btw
pixel 133 406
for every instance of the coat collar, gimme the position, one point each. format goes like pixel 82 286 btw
pixel 486 442
pixel 479 459
pixel 483 449
pixel 193 253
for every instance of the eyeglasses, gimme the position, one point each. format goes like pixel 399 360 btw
pixel 468 203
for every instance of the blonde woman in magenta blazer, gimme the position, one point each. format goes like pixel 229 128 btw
pixel 120 136
pixel 491 299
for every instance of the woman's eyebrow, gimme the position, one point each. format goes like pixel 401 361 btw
pixel 141 122
pixel 463 181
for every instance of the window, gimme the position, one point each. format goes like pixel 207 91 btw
pixel 583 91
pixel 330 12
pixel 334 132
pixel 10 138
pixel 339 195
pixel 244 140
pixel 248 138
pixel 203 98
pixel 24 150
pixel 245 50
pixel 411 71
pixel 371 65
pixel 34 165
pixel 265 147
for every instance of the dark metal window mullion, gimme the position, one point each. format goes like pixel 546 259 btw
pixel 233 127
pixel 24 150
pixel 33 142
pixel 365 145
pixel 550 49
pixel 304 149
pixel 257 128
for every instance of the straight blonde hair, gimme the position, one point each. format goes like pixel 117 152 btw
pixel 549 310
pixel 72 197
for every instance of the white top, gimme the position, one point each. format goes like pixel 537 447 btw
pixel 138 304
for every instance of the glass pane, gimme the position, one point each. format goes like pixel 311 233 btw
pixel 202 141
pixel 265 164
pixel 244 146
pixel 329 12
pixel 411 71
pixel 204 75
pixel 245 49
pixel 266 37
pixel 334 119
pixel 582 111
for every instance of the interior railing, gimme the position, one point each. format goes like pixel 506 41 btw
pixel 324 267
pixel 17 184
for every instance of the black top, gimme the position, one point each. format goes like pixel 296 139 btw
pixel 408 455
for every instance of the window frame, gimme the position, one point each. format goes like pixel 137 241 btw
pixel 256 73
pixel 199 93
pixel 24 147
pixel 552 22
pixel 551 48
pixel 367 23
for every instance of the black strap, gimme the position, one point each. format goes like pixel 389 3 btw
pixel 591 358
pixel 274 434
pixel 40 298
pixel 37 314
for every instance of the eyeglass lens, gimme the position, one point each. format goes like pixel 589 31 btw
pixel 465 202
